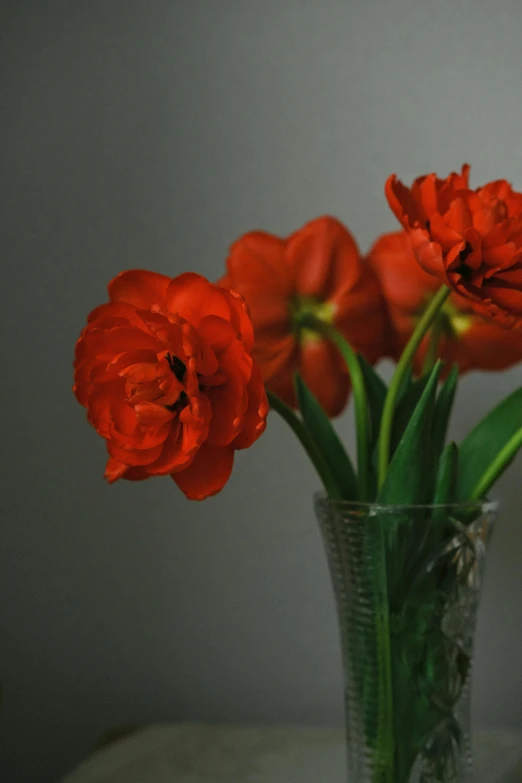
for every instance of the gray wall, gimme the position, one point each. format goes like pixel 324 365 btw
pixel 152 134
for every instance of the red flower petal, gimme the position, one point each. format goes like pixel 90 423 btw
pixel 139 288
pixel 428 253
pixel 270 316
pixel 487 346
pixel 217 333
pixel 499 258
pixel 123 417
pixel 458 217
pixel 115 314
pixel 133 456
pixel 100 402
pixel 324 258
pixel 173 455
pixel 207 474
pixel 115 470
pixel 195 419
pixel 192 297
pixel 275 356
pixel 442 232
pixel 110 342
pixel 256 264
pixel 283 384
pixel 241 319
pixel 402 203
pixel 227 415
pixel 254 422
pixel 511 276
pixel 404 283
pixel 322 370
pixel 148 414
pixel 508 299
pixel 228 400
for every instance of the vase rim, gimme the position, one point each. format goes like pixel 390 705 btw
pixel 485 506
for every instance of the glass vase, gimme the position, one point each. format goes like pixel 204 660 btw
pixel 407 582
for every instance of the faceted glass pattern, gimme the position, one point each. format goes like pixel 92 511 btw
pixel 407 582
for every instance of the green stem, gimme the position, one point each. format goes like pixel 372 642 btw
pixel 497 467
pixel 308 444
pixel 404 362
pixel 359 400
pixel 433 346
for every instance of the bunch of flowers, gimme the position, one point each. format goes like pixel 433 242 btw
pixel 173 372
pixel 178 374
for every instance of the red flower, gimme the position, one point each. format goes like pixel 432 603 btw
pixel 471 240
pixel 317 271
pixel 466 339
pixel 166 374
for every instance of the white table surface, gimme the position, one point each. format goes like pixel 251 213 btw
pixel 200 753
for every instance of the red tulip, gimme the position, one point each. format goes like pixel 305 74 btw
pixel 466 338
pixel 470 240
pixel 317 271
pixel 166 374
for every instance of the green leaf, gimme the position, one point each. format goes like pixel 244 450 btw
pixel 484 443
pixel 327 441
pixel 497 467
pixel 410 396
pixel 307 442
pixel 410 473
pixel 447 474
pixel 375 389
pixel 405 383
pixel 443 408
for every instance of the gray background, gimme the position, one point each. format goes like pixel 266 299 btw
pixel 151 134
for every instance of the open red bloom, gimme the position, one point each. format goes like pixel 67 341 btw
pixel 314 273
pixel 466 339
pixel 471 240
pixel 166 374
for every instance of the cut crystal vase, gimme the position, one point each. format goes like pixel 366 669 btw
pixel 407 583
